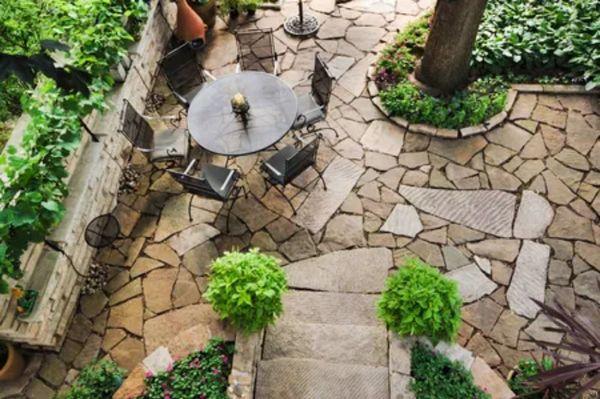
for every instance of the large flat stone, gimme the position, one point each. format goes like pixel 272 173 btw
pixel 533 216
pixel 313 379
pixel 506 250
pixel 383 136
pixel 567 224
pixel 459 151
pixel 366 345
pixel 341 176
pixel 472 283
pixel 404 220
pixel 359 270
pixel 330 308
pixel 192 237
pixel 489 211
pixel 253 213
pixel 487 379
pixel 344 231
pixel 355 79
pixel 529 279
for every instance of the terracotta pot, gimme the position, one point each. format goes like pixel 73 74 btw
pixel 190 27
pixel 14 366
pixel 208 12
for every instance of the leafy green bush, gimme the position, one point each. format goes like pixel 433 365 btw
pixel 483 98
pixel 540 37
pixel 525 370
pixel 32 192
pixel 202 374
pixel 437 377
pixel 99 380
pixel 420 301
pixel 246 289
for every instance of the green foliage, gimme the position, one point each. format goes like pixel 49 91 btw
pixel 540 37
pixel 420 301
pixel 526 370
pixel 437 377
pixel 31 195
pixel 246 289
pixel 202 374
pixel 98 380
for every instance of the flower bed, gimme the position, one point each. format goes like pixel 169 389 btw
pixel 532 41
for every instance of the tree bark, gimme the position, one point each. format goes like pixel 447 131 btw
pixel 445 63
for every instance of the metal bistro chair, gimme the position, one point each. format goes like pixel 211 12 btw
pixel 289 162
pixel 213 182
pixel 256 51
pixel 171 144
pixel 312 107
pixel 185 76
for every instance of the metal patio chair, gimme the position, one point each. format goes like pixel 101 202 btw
pixel 185 76
pixel 312 107
pixel 289 162
pixel 256 51
pixel 171 144
pixel 212 182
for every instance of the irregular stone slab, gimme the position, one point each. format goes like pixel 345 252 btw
pixel 455 353
pixel 304 378
pixel 459 151
pixel 324 6
pixel 429 253
pixel 366 345
pixel 487 379
pixel 529 279
pixel 360 270
pixel 454 258
pixel 586 285
pixel 400 386
pixel 333 28
pixel 472 283
pixel 482 314
pixel 400 348
pixel 354 80
pixel 300 246
pixel 567 224
pixel 506 250
pixel 533 216
pixel 341 176
pixel 404 221
pixel 373 6
pixel 589 252
pixel 489 211
pixel 383 136
pixel 339 64
pixel 344 231
pixel 128 315
pixel 253 213
pixel 537 329
pixel 364 37
pixel 174 217
pixel 330 308
pixel 484 264
pixel 192 237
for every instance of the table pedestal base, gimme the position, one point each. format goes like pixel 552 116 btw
pixel 308 25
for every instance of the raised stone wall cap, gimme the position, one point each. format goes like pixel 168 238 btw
pixel 495 120
pixel 567 89
pixel 373 90
pixel 471 130
pixel 423 129
pixel 487 379
pixel 377 102
pixel 528 88
pixel 510 99
pixel 447 133
pixel 399 121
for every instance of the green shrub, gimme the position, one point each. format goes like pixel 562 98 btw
pixel 246 289
pixel 98 380
pixel 525 370
pixel 201 374
pixel 418 300
pixel 437 377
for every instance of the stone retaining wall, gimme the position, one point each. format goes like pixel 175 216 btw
pixel 94 172
pixel 248 349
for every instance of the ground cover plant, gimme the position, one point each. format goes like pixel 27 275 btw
pixel 33 188
pixel 246 289
pixel 201 374
pixel 418 300
pixel 518 41
pixel 527 369
pixel 437 377
pixel 98 380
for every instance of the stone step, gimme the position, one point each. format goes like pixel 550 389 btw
pixel 361 270
pixel 313 379
pixel 329 308
pixel 365 345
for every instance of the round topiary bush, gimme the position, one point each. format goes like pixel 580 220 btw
pixel 246 289
pixel 419 300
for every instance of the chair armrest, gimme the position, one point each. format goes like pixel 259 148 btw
pixel 209 75
pixel 229 177
pixel 271 168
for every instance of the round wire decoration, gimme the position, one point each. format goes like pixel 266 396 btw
pixel 301 25
pixel 102 231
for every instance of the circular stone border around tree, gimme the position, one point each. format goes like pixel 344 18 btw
pixel 481 128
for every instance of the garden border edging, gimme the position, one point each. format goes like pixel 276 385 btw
pixel 482 128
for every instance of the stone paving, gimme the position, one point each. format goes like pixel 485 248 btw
pixel 509 215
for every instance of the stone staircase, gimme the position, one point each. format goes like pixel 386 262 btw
pixel 329 343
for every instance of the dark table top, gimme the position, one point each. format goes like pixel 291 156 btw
pixel 214 126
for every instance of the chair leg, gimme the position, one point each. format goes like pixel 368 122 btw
pixel 286 198
pixel 190 209
pixel 322 179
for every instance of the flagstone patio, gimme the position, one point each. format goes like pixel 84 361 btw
pixel 511 214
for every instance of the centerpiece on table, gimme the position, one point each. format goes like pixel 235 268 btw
pixel 240 106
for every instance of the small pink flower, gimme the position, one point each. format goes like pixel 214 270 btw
pixel 225 359
pixel 148 374
pixel 170 367
pixel 215 371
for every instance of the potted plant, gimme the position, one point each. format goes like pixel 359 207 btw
pixel 12 363
pixel 26 300
pixel 231 7
pixel 207 10
pixel 250 6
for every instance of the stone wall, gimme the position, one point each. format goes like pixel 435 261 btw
pixel 94 172
pixel 248 350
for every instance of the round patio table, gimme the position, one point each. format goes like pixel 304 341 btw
pixel 216 128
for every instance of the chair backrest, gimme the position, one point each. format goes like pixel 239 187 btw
pixel 182 71
pixel 135 128
pixel 303 159
pixel 322 83
pixel 200 185
pixel 256 50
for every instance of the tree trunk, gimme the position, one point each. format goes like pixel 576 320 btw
pixel 445 64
